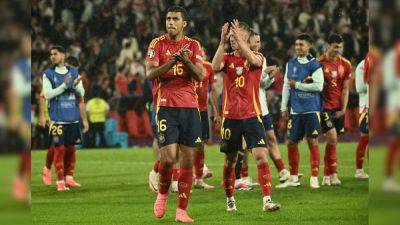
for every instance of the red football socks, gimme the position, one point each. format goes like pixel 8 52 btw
pixel 59 152
pixel 49 157
pixel 229 181
pixel 175 174
pixel 184 186
pixel 279 164
pixel 70 160
pixel 314 160
pixel 244 171
pixel 264 178
pixel 199 163
pixel 156 165
pixel 294 157
pixel 165 178
pixel 360 152
pixel 330 162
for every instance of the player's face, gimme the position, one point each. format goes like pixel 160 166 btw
pixel 335 49
pixel 56 57
pixel 174 23
pixel 302 47
pixel 255 43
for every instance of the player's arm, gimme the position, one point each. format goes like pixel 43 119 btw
pixel 217 61
pixel 253 59
pixel 344 98
pixel 79 87
pixel 285 95
pixel 42 109
pixel 82 111
pixel 316 86
pixel 268 77
pixel 153 70
pixel 194 69
pixel 49 92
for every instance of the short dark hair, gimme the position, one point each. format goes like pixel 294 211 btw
pixel 305 37
pixel 335 38
pixel 177 8
pixel 72 61
pixel 58 48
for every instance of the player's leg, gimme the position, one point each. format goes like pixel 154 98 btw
pixel 199 158
pixel 362 147
pixel 330 158
pixel 312 125
pixel 228 178
pixel 168 157
pixel 295 133
pixel 73 136
pixel 175 176
pixel 231 135
pixel 392 157
pixel 168 135
pixel 189 140
pixel 153 174
pixel 57 134
pixel 276 157
pixel 256 140
pixel 46 178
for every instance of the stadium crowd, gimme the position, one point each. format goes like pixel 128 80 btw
pixel 110 39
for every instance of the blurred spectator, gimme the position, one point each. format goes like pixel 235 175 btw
pixel 97 110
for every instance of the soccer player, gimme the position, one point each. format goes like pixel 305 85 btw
pixel 44 121
pixel 175 61
pixel 202 89
pixel 303 84
pixel 241 110
pixel 266 81
pixel 362 88
pixel 63 89
pixel 337 73
pixel 391 84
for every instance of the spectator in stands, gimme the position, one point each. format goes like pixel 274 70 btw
pixel 97 110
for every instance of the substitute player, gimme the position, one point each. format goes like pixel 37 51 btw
pixel 303 84
pixel 362 88
pixel 337 73
pixel 63 88
pixel 175 60
pixel 202 89
pixel 241 110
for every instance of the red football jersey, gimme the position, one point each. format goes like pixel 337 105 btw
pixel 203 86
pixel 176 88
pixel 335 73
pixel 241 87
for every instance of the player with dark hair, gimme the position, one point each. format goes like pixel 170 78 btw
pixel 337 73
pixel 174 62
pixel 303 84
pixel 64 91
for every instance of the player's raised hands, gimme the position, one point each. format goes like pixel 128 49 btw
pixel 272 70
pixel 224 33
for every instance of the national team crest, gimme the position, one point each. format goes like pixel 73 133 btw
pixel 239 70
pixel 334 74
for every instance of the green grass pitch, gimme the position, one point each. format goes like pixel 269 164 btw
pixel 115 191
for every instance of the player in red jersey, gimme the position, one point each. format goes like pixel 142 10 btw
pixel 241 110
pixel 202 89
pixel 175 61
pixel 337 73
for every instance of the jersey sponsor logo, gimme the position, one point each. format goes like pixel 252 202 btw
pixel 231 66
pixel 239 70
pixel 198 140
pixel 168 52
pixel 261 142
pixel 182 195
